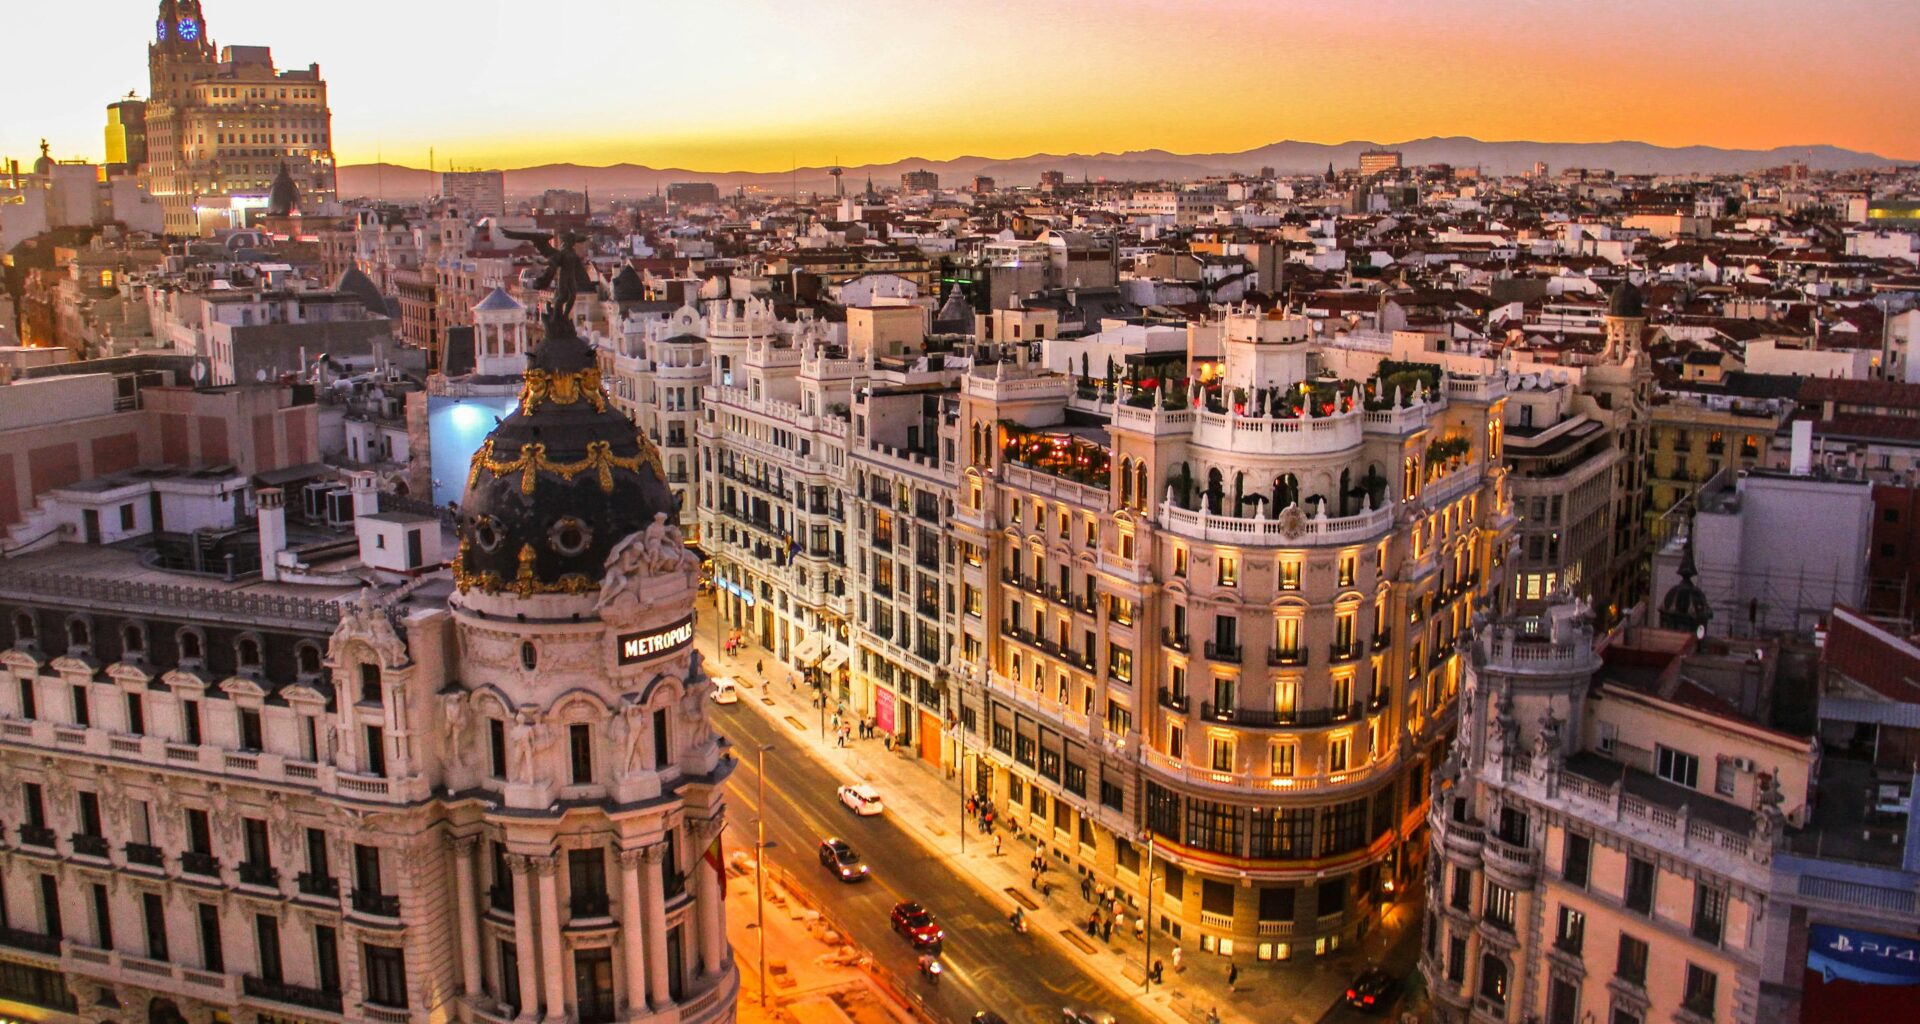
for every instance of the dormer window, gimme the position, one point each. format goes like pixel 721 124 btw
pixel 133 641
pixel 190 646
pixel 78 633
pixel 308 657
pixel 23 626
pixel 247 653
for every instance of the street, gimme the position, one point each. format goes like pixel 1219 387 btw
pixel 1026 979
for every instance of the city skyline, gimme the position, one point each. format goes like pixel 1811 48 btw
pixel 729 89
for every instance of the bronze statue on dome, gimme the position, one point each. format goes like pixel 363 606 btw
pixel 567 272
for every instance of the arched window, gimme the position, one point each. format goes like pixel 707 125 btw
pixel 1126 482
pixel 247 652
pixel 529 656
pixel 191 647
pixel 23 626
pixel 79 634
pixel 308 659
pixel 133 639
pixel 1140 484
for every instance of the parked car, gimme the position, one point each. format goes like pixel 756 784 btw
pixel 725 690
pixel 988 1017
pixel 836 856
pixel 1370 989
pixel 916 923
pixel 1069 1015
pixel 861 799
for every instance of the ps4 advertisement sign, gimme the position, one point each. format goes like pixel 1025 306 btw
pixel 1868 958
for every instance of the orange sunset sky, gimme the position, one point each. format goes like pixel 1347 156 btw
pixel 759 85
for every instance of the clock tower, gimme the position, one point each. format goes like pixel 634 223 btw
pixel 181 52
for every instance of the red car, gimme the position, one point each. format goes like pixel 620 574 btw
pixel 913 921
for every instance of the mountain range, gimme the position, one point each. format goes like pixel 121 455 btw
pixel 393 181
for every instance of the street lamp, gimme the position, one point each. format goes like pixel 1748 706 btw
pixel 760 866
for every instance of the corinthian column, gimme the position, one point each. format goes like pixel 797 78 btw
pixel 633 930
pixel 656 929
pixel 552 964
pixel 463 847
pixel 709 904
pixel 524 949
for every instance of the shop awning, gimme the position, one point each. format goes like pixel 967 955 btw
pixel 808 652
pixel 834 663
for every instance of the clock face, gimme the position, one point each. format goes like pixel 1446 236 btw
pixel 189 29
pixel 160 30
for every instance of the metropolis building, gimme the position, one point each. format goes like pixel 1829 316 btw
pixel 1210 617
pixel 371 790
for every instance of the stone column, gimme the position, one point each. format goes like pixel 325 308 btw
pixel 633 930
pixel 463 879
pixel 656 928
pixel 523 942
pixel 552 964
pixel 709 899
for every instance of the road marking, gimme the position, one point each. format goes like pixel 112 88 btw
pixel 795 722
pixel 1021 898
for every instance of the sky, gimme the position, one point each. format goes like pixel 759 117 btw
pixel 764 85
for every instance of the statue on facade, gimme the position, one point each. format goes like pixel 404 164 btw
pixel 566 271
pixel 454 709
pixel 1500 732
pixel 1769 823
pixel 528 737
pixel 629 729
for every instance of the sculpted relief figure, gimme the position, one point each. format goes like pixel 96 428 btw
pixel 528 737
pixel 454 708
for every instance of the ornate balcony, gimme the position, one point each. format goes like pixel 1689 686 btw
pixel 194 863
pixel 36 835
pixel 263 875
pixel 1280 657
pixel 325 886
pixel 145 854
pixel 376 903
pixel 1271 718
pixel 292 995
pixel 1176 641
pixel 86 845
pixel 1174 701
pixel 1226 652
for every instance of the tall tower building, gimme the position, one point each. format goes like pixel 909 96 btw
pixel 220 124
pixel 1621 384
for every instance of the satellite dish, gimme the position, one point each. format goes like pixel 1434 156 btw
pixel 260 375
pixel 199 372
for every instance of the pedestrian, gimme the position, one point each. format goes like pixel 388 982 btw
pixel 1106 930
pixel 1159 971
pixel 996 839
pixel 1233 976
pixel 1093 923
pixel 760 668
pixel 793 685
pixel 1176 961
pixel 1086 890
pixel 1140 930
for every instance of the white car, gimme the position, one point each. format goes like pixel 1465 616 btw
pixel 725 691
pixel 861 799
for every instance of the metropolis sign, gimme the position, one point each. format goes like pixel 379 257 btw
pixel 653 643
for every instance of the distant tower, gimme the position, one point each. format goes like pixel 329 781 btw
pixel 1625 321
pixel 839 187
pixel 1685 605
pixel 499 335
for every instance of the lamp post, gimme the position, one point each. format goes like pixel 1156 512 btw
pixel 759 867
pixel 1146 955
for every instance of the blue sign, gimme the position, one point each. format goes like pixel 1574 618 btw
pixel 1869 958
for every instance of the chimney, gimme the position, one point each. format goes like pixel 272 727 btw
pixel 1802 464
pixel 272 503
pixel 366 496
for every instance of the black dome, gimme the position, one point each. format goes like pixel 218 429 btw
pixel 558 483
pixel 1625 301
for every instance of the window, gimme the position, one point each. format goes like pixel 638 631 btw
pixel 258 852
pixel 212 951
pixel 1112 795
pixel 1640 879
pixel 1631 965
pixel 250 732
pixel 136 715
pixel 154 913
pixel 1456 959
pixel 366 869
pixel 199 832
pixel 369 683
pixel 1285 756
pixel 1290 574
pixel 662 744
pixel 1493 979
pixel 1276 903
pixel 102 918
pixel 326 955
pixel 1702 986
pixel 587 882
pixel 1723 775
pixel 1343 827
pixel 82 714
pixel 1180 561
pixel 190 720
pixel 1570 934
pixel 593 985
pixel 508 988
pixel 1332 897
pixel 1120 663
pixel 497 748
pixel 1676 766
pixel 1499 906
pixel 580 753
pixel 1563 1000
pixel 1337 748
pixel 28 706
pixel 1281 834
pixel 1212 826
pixel 376 751
pixel 386 970
pixel 266 934
pixel 1709 913
pixel 1229 571
pixel 1577 859
pixel 1462 889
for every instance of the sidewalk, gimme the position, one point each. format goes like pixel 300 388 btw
pixel 919 797
pixel 813 975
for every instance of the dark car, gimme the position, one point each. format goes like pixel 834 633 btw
pixel 988 1017
pixel 1069 1015
pixel 913 921
pixel 1370 989
pixel 836 856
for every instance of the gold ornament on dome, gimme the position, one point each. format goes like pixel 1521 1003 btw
pixel 524 584
pixel 533 460
pixel 563 389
